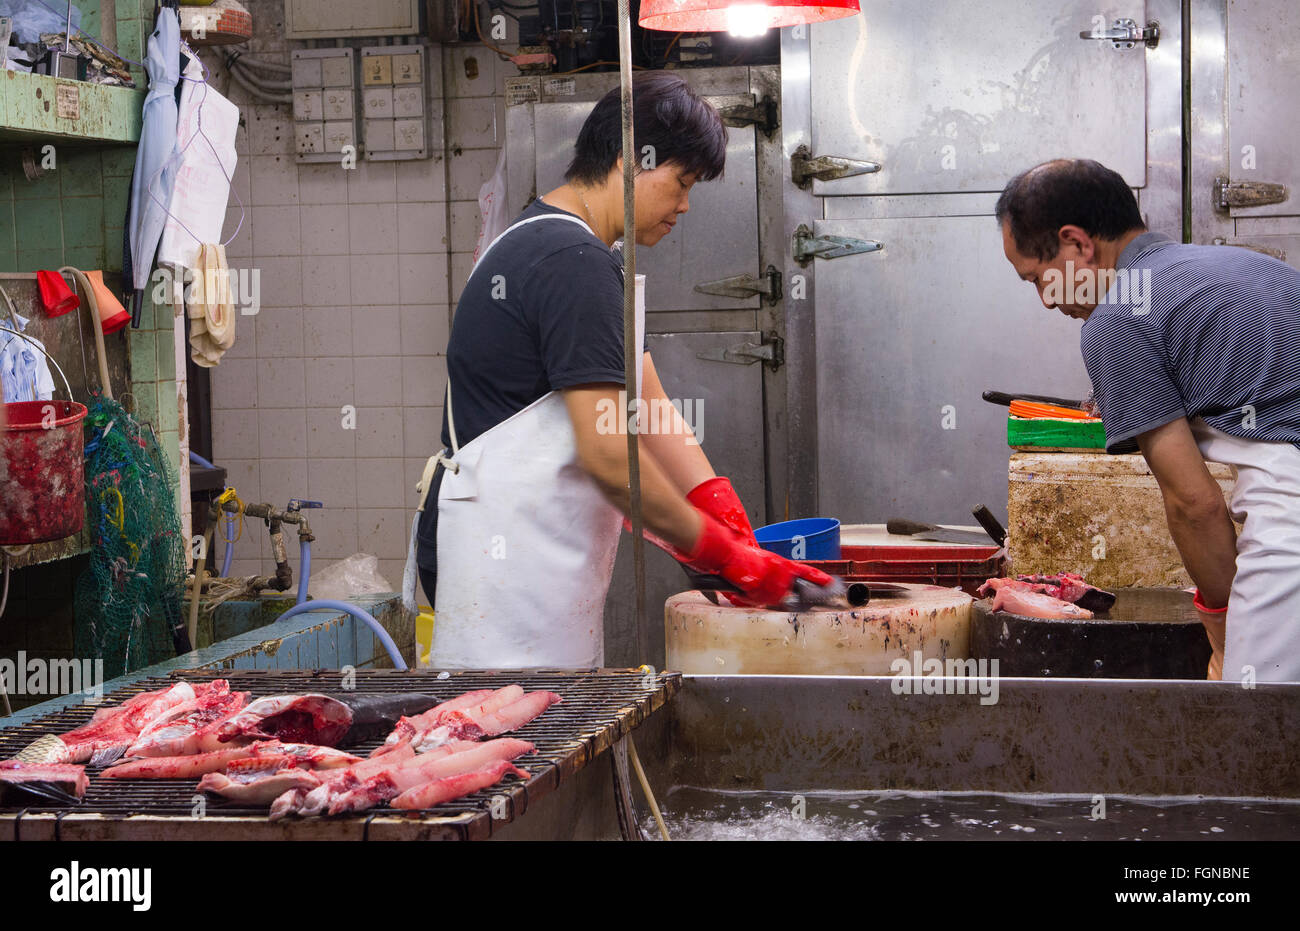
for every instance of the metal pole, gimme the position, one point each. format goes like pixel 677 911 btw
pixel 630 348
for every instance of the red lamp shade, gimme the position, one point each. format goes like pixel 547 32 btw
pixel 745 17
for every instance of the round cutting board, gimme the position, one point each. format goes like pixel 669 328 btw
pixel 707 639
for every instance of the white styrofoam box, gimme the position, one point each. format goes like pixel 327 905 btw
pixel 336 71
pixel 407 69
pixel 321 19
pixel 307 105
pixel 306 72
pixel 338 103
pixel 379 136
pixel 408 135
pixel 338 135
pixel 377 105
pixel 311 138
pixel 408 101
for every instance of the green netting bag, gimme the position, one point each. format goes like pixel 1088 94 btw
pixel 129 600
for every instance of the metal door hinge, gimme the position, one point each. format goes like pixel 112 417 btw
pixel 1247 193
pixel 763 115
pixel 1125 33
pixel 746 286
pixel 808 247
pixel 1278 254
pixel 804 168
pixel 771 352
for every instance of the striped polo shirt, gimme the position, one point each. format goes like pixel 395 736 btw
pixel 1197 331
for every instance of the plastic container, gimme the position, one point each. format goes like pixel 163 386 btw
pixel 964 567
pixel 42 491
pixel 810 538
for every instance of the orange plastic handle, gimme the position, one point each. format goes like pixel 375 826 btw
pixel 1035 409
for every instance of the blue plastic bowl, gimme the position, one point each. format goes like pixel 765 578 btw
pixel 819 536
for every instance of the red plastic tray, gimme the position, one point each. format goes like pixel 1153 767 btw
pixel 964 567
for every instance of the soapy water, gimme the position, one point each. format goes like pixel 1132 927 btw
pixel 713 814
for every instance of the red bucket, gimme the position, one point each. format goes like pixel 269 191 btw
pixel 42 486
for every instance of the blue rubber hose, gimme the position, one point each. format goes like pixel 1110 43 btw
pixel 230 547
pixel 200 461
pixel 357 613
pixel 304 570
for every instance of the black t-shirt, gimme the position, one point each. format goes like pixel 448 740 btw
pixel 543 310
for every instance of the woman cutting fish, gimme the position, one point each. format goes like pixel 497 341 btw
pixel 521 511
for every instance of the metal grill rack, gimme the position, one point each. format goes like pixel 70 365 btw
pixel 599 707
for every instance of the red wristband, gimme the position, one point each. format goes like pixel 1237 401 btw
pixel 1200 605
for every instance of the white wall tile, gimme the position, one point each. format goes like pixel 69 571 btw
pixel 390 570
pixel 326 434
pixel 470 71
pixel 333 482
pixel 425 329
pixel 282 434
pixel 466 221
pixel 424 379
pixel 330 383
pixel 468 171
pixel 280 383
pixel 245 346
pixel 462 263
pixel 324 229
pixel 377 331
pixel 244 474
pixel 234 435
pixel 327 331
pixel 275 180
pixel 325 281
pixel 372 183
pixel 380 482
pixel 377 382
pixel 383 532
pixel 374 279
pixel 276 231
pixel 422 228
pixel 372 228
pixel 270 129
pixel 279 332
pixel 234 384
pixel 421 433
pixel 472 123
pixel 279 280
pixel 422 279
pixel 335 529
pixel 281 479
pixel 324 183
pixel 379 433
pixel 239 231
pixel 423 179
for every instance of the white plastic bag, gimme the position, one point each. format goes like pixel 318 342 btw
pixel 492 207
pixel 356 575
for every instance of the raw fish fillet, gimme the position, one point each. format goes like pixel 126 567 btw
pixel 195 732
pixel 1067 586
pixel 65 777
pixel 517 714
pixel 316 719
pixel 488 719
pixel 115 728
pixel 261 791
pixel 1035 604
pixel 424 768
pixel 407 728
pixel 308 756
pixel 454 787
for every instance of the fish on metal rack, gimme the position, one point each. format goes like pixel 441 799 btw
pixel 453 787
pixel 307 756
pixel 45 779
pixel 419 770
pixel 408 727
pixel 195 732
pixel 312 718
pixel 506 709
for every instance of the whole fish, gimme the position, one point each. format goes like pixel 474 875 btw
pixel 453 787
pixel 311 718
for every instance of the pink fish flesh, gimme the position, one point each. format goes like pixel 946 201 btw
pixel 66 777
pixel 407 728
pixel 1067 586
pixel 454 787
pixel 316 719
pixel 195 732
pixel 424 768
pixel 307 756
pixel 1035 604
pixel 260 791
pixel 517 714
pixel 117 727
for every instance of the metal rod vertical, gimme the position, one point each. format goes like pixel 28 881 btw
pixel 630 347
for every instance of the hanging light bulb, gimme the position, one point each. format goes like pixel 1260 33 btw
pixel 743 18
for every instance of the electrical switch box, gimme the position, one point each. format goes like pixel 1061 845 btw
pixel 324 103
pixel 324 19
pixel 394 106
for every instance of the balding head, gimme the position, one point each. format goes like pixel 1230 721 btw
pixel 1037 203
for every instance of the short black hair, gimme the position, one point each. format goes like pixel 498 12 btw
pixel 1074 192
pixel 681 127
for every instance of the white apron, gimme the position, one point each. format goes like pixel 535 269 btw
pixel 1263 621
pixel 526 540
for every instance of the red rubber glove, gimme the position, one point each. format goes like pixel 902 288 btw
pixel 717 498
pixel 765 578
